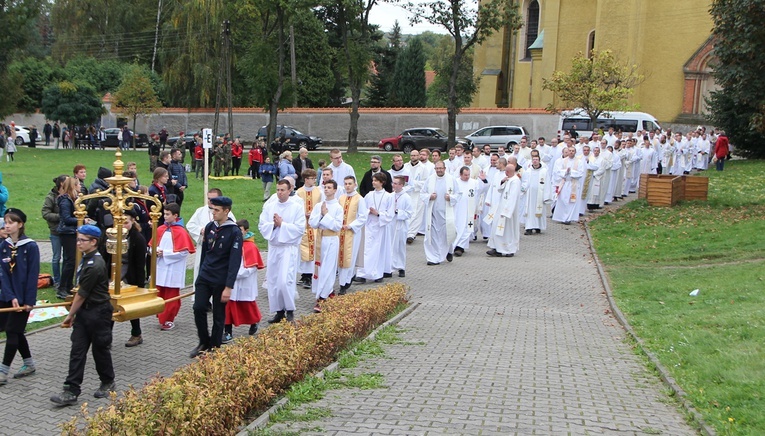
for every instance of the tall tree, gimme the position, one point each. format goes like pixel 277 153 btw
pixel 17 18
pixel 596 84
pixel 467 83
pixel 469 24
pixel 350 20
pixel 739 105
pixel 72 103
pixel 103 75
pixel 190 64
pixel 107 29
pixel 408 84
pixel 380 89
pixel 136 95
pixel 36 75
pixel 314 60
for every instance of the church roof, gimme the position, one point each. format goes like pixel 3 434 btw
pixel 539 42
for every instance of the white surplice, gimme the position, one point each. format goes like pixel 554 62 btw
pixel 505 228
pixel 283 251
pixel 377 235
pixel 440 230
pixel 403 210
pixel 325 261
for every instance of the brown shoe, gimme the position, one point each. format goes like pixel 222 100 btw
pixel 133 341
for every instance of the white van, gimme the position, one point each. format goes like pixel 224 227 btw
pixel 627 122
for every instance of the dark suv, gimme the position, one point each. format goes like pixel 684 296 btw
pixel 297 139
pixel 417 139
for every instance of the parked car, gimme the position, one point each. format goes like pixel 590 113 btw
pixel 416 139
pixel 297 139
pixel 506 136
pixel 141 139
pixel 22 135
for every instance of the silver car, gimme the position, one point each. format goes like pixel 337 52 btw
pixel 495 136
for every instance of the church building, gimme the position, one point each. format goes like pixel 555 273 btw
pixel 669 41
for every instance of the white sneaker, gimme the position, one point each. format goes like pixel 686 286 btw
pixel 169 325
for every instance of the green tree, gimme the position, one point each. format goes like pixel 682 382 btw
pixel 596 84
pixel 16 30
pixel 103 75
pixel 408 84
pixel 738 107
pixel 72 103
pixel 106 29
pixel 349 20
pixel 190 55
pixel 468 26
pixel 36 75
pixel 380 92
pixel 136 95
pixel 467 83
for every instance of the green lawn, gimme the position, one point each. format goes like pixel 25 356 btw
pixel 30 177
pixel 714 343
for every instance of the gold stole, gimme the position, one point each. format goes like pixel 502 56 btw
pixel 574 182
pixel 350 211
pixel 587 179
pixel 309 237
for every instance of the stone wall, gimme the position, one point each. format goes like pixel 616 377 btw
pixel 332 124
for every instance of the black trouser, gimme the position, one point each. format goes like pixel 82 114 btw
pixel 92 326
pixel 202 293
pixel 69 248
pixel 237 163
pixel 14 324
pixel 255 169
pixel 135 327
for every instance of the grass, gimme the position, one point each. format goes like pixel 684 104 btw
pixel 29 179
pixel 714 343
pixel 312 389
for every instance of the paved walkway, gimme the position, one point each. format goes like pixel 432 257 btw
pixel 522 345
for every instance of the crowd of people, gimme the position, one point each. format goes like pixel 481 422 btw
pixel 325 229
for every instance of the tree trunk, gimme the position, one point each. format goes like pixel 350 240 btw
pixel 132 138
pixel 273 107
pixel 353 132
pixel 451 104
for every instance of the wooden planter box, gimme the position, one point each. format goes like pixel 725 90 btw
pixel 696 188
pixel 665 191
pixel 643 186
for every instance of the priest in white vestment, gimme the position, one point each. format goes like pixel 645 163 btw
pixel 282 224
pixel 418 173
pixel 441 194
pixel 595 188
pixel 377 234
pixel 505 228
pixel 537 195
pixel 703 147
pixel 569 174
pixel 403 210
pixel 327 219
pixel 466 211
pixel 649 162
pixel 354 217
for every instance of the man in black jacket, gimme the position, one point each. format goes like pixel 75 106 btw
pixel 301 163
pixel 366 182
pixel 177 175
pixel 221 256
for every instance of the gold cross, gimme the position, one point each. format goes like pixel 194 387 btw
pixel 491 216
pixel 500 227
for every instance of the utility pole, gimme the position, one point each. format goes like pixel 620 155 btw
pixel 156 36
pixel 292 63
pixel 224 69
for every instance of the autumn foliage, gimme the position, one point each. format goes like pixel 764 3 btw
pixel 214 394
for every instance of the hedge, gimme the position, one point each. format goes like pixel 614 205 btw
pixel 214 394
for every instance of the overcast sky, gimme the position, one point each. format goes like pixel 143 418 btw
pixel 385 14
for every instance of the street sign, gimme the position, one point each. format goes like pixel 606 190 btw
pixel 207 141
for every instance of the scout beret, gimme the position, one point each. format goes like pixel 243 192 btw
pixel 89 230
pixel 221 201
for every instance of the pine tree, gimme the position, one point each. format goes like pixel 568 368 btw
pixel 379 94
pixel 409 79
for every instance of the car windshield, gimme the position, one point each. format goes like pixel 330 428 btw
pixel 296 131
pixel 440 132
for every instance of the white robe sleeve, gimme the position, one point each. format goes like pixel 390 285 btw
pixel 266 223
pixel 293 226
pixel 361 219
pixel 196 226
pixel 387 214
pixel 456 194
pixel 405 209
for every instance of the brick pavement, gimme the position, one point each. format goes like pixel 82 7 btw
pixel 509 346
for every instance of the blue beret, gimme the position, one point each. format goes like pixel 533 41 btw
pixel 89 230
pixel 221 201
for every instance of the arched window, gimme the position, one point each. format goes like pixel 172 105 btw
pixel 532 27
pixel 590 44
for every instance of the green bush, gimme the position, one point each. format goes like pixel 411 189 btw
pixel 215 393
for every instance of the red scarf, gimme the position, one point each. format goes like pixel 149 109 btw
pixel 251 255
pixel 181 239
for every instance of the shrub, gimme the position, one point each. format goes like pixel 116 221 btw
pixel 214 394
